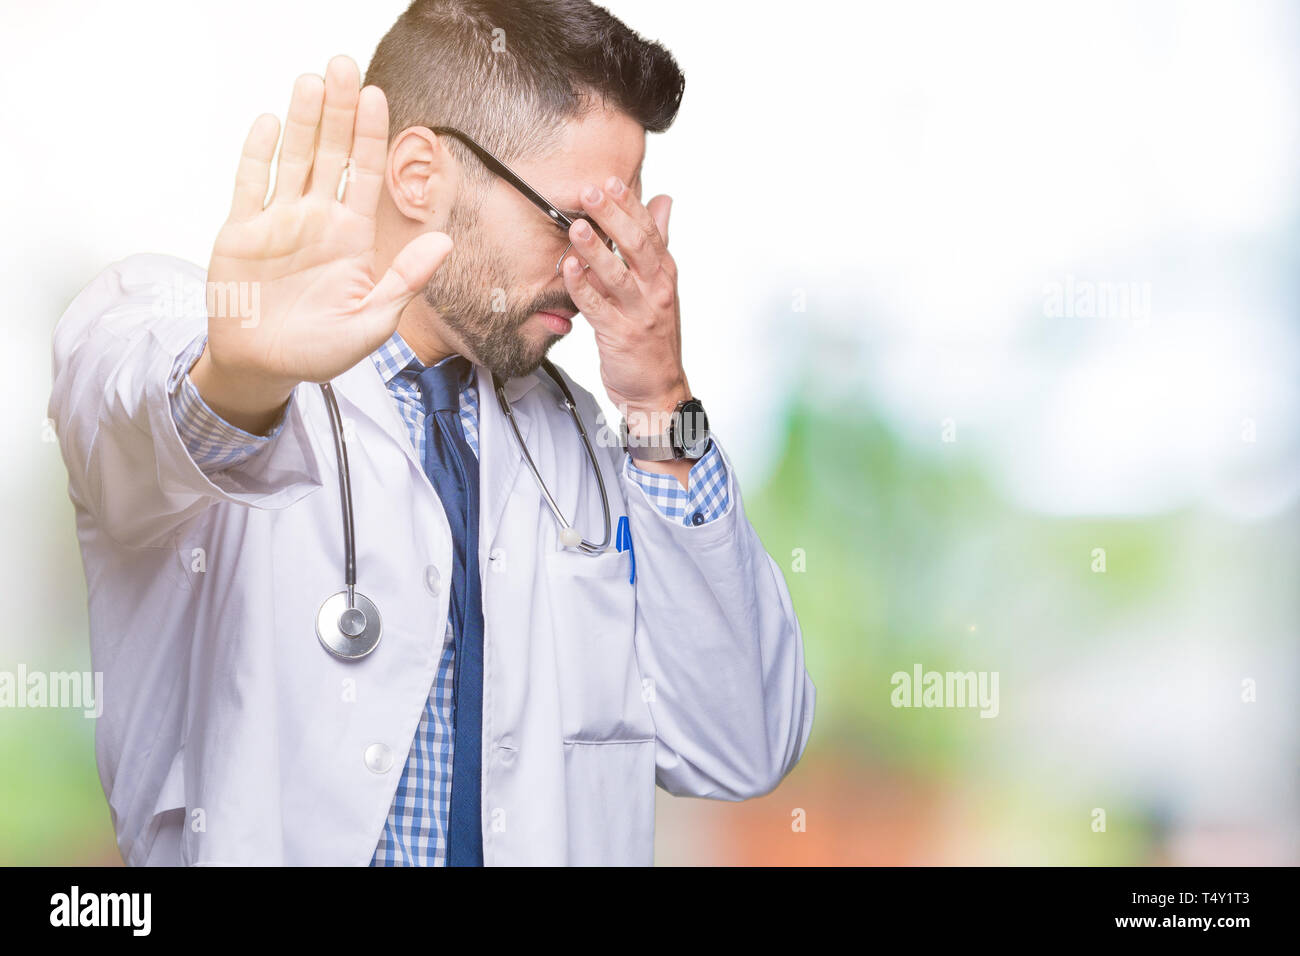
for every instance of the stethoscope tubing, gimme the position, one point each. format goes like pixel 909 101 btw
pixel 345 476
pixel 345 492
pixel 584 545
pixel 354 630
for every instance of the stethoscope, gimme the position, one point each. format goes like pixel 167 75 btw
pixel 348 623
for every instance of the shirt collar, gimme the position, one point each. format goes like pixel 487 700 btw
pixel 395 356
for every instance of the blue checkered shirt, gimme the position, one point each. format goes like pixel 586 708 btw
pixel 415 833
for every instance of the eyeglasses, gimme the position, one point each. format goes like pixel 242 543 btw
pixel 559 218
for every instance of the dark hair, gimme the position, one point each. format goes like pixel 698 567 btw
pixel 511 72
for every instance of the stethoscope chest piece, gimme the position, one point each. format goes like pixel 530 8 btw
pixel 349 632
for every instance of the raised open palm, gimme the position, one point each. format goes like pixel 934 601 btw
pixel 305 260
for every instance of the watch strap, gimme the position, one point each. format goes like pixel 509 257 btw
pixel 666 445
pixel 647 447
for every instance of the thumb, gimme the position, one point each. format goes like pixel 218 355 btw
pixel 409 273
pixel 660 207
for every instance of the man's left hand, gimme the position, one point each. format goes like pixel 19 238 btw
pixel 630 302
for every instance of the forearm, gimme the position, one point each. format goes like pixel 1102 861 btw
pixel 718 639
pixel 652 419
pixel 252 403
pixel 116 366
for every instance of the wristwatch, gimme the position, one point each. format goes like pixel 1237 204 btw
pixel 687 435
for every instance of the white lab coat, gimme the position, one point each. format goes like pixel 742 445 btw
pixel 230 736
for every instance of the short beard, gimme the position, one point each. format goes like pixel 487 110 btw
pixel 470 292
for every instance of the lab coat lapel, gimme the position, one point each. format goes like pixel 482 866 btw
pixel 364 389
pixel 500 458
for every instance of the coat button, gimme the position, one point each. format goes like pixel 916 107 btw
pixel 697 518
pixel 379 758
pixel 432 579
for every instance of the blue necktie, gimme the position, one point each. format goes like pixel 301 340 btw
pixel 453 471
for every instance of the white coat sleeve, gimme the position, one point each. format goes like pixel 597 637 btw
pixel 717 635
pixel 114 351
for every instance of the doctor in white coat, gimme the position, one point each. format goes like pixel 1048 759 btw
pixel 229 734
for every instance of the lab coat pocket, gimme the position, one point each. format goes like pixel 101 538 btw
pixel 593 616
pixel 611 802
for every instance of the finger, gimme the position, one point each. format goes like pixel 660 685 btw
pixel 615 277
pixel 628 223
pixel 660 208
pixel 342 82
pixel 590 302
pixel 299 137
pixel 409 274
pixel 369 153
pixel 254 173
pixel 591 276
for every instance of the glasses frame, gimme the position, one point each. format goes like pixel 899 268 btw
pixel 557 217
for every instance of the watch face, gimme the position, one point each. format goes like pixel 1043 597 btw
pixel 693 430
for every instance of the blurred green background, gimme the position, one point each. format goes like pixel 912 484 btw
pixel 913 558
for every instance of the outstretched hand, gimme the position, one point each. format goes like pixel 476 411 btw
pixel 304 261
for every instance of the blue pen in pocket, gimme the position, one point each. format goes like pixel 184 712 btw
pixel 623 541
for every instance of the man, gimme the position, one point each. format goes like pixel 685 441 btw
pixel 501 686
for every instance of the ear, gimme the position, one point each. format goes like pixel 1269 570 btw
pixel 422 176
pixel 660 207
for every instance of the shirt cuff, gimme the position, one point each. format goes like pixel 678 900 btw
pixel 705 498
pixel 212 442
